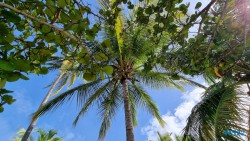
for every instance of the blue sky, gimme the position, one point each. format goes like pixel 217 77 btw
pixel 30 93
pixel 174 107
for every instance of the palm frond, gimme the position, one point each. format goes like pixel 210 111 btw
pixel 218 111
pixel 191 82
pixel 51 134
pixel 137 44
pixel 81 91
pixel 42 134
pixel 20 134
pixel 108 110
pixel 72 79
pixel 98 95
pixel 133 109
pixel 47 136
pixel 146 101
pixel 105 4
pixel 54 63
pixel 156 79
pixel 62 82
pixel 229 114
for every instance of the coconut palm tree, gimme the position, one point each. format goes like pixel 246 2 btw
pixel 67 73
pixel 121 81
pixel 43 135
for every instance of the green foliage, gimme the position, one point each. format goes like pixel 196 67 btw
pixel 125 52
pixel 156 33
pixel 221 108
pixel 5 98
pixel 218 46
pixel 108 70
pixel 167 137
pixel 33 31
pixel 42 135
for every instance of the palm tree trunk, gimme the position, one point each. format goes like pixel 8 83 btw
pixel 33 121
pixel 248 132
pixel 128 116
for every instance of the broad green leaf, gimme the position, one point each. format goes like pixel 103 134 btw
pixel 64 17
pixel 2 83
pixel 191 40
pixel 106 43
pixel 62 3
pixel 85 60
pixel 45 52
pixel 45 29
pixel 8 99
pixel 108 70
pixel 24 77
pixel 89 76
pixel 6 65
pixel 22 65
pixel 1 109
pixel 13 77
pixel 101 57
pixel 11 16
pixel 4 91
pixel 198 5
pixel 4 29
pixel 58 39
pixel 9 38
pixel 183 8
pixel 44 70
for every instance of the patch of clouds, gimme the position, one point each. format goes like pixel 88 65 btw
pixel 6 132
pixel 23 104
pixel 68 135
pixel 174 122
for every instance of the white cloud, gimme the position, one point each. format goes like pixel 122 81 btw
pixel 6 131
pixel 68 135
pixel 23 104
pixel 177 121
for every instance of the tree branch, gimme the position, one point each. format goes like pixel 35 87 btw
pixel 45 23
pixel 192 20
pixel 216 27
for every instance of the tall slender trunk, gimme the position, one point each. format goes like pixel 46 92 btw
pixel 128 116
pixel 33 121
pixel 248 132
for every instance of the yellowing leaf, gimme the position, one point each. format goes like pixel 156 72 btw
pixel 221 64
pixel 216 71
pixel 72 80
pixel 118 30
